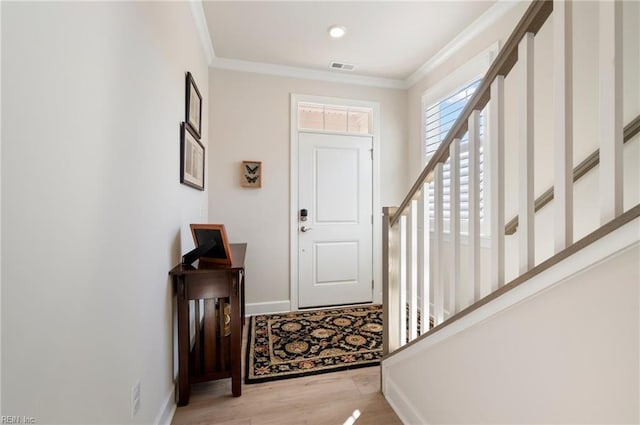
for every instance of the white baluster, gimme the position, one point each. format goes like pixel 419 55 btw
pixel 610 52
pixel 495 178
pixel 474 204
pixel 402 243
pixel 390 281
pixel 438 289
pixel 412 245
pixel 525 197
pixel 424 258
pixel 455 303
pixel 563 100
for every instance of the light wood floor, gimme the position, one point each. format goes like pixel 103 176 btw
pixel 329 398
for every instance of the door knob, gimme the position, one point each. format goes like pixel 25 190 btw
pixel 305 229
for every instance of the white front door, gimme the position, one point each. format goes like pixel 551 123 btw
pixel 335 258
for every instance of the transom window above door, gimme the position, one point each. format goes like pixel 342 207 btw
pixel 334 119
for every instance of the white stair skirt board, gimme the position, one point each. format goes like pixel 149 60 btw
pixel 611 245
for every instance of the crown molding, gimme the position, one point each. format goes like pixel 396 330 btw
pixel 306 73
pixel 484 21
pixel 200 21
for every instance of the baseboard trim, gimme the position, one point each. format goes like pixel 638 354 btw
pixel 268 307
pixel 165 415
pixel 400 404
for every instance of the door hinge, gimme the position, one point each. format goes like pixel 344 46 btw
pixel 371 284
pixel 371 150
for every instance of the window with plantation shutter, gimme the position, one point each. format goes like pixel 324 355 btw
pixel 439 117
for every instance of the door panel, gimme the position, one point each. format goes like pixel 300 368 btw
pixel 336 262
pixel 335 251
pixel 336 185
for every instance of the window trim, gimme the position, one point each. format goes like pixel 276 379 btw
pixel 466 73
pixel 295 99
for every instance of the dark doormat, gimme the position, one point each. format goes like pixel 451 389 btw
pixel 290 345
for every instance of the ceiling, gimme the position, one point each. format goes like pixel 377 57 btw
pixel 384 39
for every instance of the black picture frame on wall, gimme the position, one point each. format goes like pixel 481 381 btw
pixel 193 106
pixel 191 158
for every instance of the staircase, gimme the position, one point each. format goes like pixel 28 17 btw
pixel 464 340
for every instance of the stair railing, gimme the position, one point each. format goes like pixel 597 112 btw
pixel 413 263
pixel 588 164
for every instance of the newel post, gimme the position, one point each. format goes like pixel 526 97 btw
pixel 390 288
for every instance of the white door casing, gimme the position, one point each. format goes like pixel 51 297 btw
pixel 335 242
pixel 294 223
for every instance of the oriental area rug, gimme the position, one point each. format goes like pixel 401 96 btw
pixel 290 345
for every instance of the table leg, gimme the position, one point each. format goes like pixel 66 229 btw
pixel 242 300
pixel 236 336
pixel 183 343
pixel 210 335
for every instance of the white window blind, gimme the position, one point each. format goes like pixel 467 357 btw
pixel 438 120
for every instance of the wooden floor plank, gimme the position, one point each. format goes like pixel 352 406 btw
pixel 329 398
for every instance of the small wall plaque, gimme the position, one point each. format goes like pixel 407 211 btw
pixel 251 174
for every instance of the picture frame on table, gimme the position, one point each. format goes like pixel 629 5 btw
pixel 214 238
pixel 192 164
pixel 193 107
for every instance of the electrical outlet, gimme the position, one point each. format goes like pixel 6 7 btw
pixel 135 399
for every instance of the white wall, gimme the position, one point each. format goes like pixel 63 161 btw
pixel 568 355
pixel 249 116
pixel 93 214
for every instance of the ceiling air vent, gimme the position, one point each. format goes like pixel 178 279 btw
pixel 342 66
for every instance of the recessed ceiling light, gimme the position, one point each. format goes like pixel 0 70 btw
pixel 336 31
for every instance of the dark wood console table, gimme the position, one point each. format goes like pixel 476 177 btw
pixel 214 354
